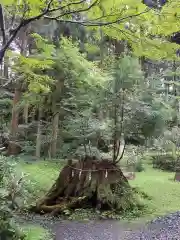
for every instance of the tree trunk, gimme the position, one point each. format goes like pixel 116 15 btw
pixel 15 113
pixel 55 128
pixel 100 115
pixel 55 121
pixel 1 74
pixel 26 109
pixel 119 47
pixel 6 68
pixel 17 94
pixel 39 133
pixel 175 92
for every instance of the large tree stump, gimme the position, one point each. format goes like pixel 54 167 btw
pixel 88 183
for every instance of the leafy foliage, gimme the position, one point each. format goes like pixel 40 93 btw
pixel 33 69
pixel 139 166
pixel 165 162
pixel 168 147
pixel 122 20
pixel 8 229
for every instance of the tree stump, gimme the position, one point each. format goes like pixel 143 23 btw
pixel 88 183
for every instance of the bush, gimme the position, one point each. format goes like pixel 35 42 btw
pixel 148 159
pixel 139 167
pixel 166 162
pixel 134 159
pixel 8 229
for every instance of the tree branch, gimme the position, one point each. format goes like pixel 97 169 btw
pixel 66 6
pixel 91 23
pixel 48 10
pixel 80 10
pixel 23 23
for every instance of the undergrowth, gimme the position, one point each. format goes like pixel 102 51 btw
pixel 15 188
pixel 8 187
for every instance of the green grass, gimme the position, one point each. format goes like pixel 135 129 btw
pixel 157 184
pixel 40 176
pixel 36 233
pixel 160 186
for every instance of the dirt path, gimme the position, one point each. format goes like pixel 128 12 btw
pixel 163 228
pixel 104 230
pixel 87 230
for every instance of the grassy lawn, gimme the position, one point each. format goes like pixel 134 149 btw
pixel 160 186
pixel 165 193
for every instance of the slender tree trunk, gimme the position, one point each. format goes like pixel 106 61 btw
pixel 6 68
pixel 100 115
pixel 15 114
pixel 119 47
pixel 55 129
pixel 4 61
pixel 1 74
pixel 167 90
pixel 55 120
pixel 39 135
pixel 142 61
pixel 17 95
pixel 115 134
pixel 175 91
pixel 101 47
pixel 26 109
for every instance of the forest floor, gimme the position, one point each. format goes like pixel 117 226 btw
pixel 157 184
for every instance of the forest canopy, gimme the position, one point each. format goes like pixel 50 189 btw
pixel 147 30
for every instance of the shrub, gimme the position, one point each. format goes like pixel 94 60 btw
pixel 166 162
pixel 135 160
pixel 139 166
pixel 8 229
pixel 148 159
